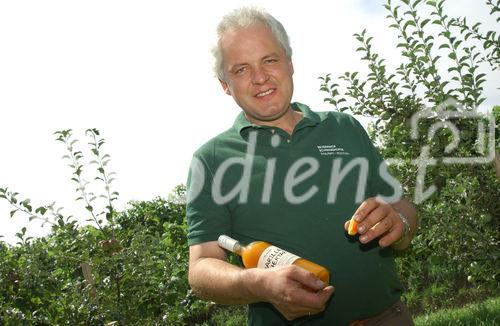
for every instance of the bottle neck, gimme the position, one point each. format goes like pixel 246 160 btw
pixel 230 244
pixel 238 248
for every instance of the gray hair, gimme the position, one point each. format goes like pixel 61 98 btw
pixel 245 17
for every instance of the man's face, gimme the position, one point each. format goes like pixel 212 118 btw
pixel 257 73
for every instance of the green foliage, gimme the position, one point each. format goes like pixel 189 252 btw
pixel 127 269
pixel 130 267
pixel 455 256
pixel 228 316
pixel 141 278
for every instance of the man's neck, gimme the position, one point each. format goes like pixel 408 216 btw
pixel 287 122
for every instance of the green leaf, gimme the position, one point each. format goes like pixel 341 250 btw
pixel 41 210
pixel 13 212
pixel 457 44
pixel 480 76
pixel 424 22
pixel 386 115
pixel 416 3
pixel 408 23
pixel 452 56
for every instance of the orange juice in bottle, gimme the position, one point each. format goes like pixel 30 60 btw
pixel 264 255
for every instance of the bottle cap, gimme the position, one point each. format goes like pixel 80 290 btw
pixel 227 243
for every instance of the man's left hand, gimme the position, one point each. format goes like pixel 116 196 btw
pixel 376 219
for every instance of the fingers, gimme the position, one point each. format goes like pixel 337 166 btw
pixel 325 294
pixel 316 291
pixel 306 278
pixel 366 207
pixel 392 236
pixel 377 219
pixel 375 224
pixel 292 311
pixel 297 292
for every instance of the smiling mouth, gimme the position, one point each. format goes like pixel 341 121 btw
pixel 268 92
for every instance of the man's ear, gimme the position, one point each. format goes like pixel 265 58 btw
pixel 290 64
pixel 225 87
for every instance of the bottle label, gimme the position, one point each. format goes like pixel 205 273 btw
pixel 273 256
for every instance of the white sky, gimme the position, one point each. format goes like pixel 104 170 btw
pixel 140 72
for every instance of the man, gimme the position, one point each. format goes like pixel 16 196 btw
pixel 290 176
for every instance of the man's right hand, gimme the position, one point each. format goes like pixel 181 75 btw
pixel 292 290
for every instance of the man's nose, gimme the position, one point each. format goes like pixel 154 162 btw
pixel 259 76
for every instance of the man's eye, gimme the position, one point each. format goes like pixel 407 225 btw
pixel 270 60
pixel 240 70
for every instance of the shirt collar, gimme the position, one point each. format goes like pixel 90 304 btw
pixel 310 118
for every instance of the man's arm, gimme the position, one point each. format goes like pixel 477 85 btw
pixel 208 267
pixel 379 219
pixel 212 278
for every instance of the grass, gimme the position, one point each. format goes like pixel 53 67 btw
pixel 483 313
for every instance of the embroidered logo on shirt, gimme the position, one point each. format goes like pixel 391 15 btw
pixel 331 150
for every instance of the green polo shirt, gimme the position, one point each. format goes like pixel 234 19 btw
pixel 296 191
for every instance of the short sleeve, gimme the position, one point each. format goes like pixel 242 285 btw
pixel 206 220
